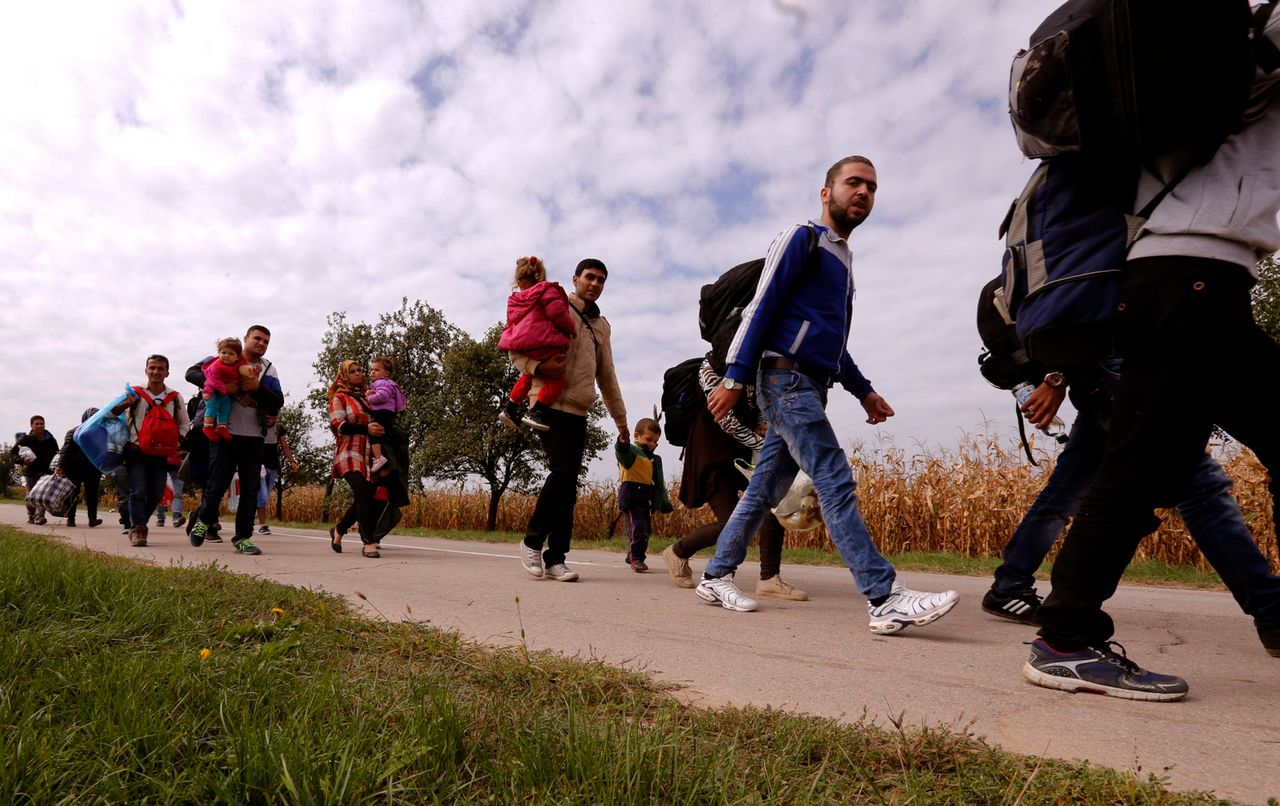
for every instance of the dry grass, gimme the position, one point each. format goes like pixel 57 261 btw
pixel 964 502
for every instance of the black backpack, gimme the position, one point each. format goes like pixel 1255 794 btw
pixel 720 305
pixel 1136 77
pixel 1003 362
pixel 682 398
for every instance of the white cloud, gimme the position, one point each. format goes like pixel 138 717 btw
pixel 174 172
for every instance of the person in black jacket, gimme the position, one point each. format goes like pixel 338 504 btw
pixel 45 447
pixel 76 467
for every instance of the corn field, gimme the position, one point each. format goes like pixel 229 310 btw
pixel 967 502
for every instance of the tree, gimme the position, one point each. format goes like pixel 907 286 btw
pixel 417 336
pixel 1266 296
pixel 315 462
pixel 465 438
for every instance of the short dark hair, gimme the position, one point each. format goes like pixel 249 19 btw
pixel 388 363
pixel 35 417
pixel 591 263
pixel 646 424
pixel 157 357
pixel 835 169
pixel 252 328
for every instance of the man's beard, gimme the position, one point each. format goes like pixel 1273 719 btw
pixel 846 217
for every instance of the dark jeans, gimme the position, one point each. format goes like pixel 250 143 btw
pixel 1210 512
pixel 147 475
pixel 722 501
pixel 120 479
pixel 636 502
pixel 91 492
pixel 361 510
pixel 552 521
pixel 241 455
pixel 1194 357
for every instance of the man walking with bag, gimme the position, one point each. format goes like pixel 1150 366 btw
pixel 157 423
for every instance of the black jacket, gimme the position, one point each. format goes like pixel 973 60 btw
pixel 45 449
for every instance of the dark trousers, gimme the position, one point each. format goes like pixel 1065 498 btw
pixel 91 492
pixel 722 501
pixel 362 507
pixel 552 521
pixel 636 502
pixel 241 455
pixel 147 475
pixel 1193 358
pixel 120 479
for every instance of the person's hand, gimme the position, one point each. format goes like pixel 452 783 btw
pixel 249 383
pixel 1043 404
pixel 722 400
pixel 623 437
pixel 57 471
pixel 293 466
pixel 877 408
pixel 376 430
pixel 553 367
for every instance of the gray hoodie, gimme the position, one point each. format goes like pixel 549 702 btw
pixel 1226 209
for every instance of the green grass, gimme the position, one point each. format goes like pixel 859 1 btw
pixel 121 682
pixel 1140 572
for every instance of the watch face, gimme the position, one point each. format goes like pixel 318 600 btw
pixel 1054 379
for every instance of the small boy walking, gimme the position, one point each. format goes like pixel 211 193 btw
pixel 642 490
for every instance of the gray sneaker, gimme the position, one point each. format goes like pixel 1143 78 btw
pixel 561 573
pixel 531 559
pixel 677 567
pixel 724 592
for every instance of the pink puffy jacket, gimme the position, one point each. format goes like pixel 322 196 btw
pixel 538 318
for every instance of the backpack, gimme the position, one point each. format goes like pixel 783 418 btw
pixel 158 431
pixel 720 304
pixel 1003 362
pixel 682 398
pixel 1136 77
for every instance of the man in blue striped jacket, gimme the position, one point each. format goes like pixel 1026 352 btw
pixel 794 334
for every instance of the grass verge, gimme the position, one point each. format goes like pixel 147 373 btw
pixel 1139 572
pixel 121 682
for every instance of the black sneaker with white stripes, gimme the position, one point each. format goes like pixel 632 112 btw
pixel 1018 606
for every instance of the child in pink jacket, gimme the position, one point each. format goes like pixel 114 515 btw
pixel 221 381
pixel 540 325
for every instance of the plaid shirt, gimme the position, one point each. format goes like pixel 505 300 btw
pixel 352 452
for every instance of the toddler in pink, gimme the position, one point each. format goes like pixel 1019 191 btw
pixel 221 381
pixel 540 325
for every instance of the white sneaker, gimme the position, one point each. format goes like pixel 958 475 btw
pixel 531 559
pixel 561 573
pixel 905 608
pixel 724 592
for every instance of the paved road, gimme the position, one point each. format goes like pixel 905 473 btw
pixel 816 657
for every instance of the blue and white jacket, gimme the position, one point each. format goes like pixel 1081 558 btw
pixel 801 312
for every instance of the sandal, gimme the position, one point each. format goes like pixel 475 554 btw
pixel 371 551
pixel 335 539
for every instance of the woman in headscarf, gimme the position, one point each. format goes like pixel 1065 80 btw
pixel 351 425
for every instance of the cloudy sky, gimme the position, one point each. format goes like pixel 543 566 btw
pixel 173 171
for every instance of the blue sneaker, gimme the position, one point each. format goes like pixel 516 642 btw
pixel 1101 671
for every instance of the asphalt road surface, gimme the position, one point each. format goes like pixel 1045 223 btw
pixel 814 657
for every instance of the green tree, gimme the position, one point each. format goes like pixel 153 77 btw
pixel 417 336
pixel 315 461
pixel 465 438
pixel 1266 296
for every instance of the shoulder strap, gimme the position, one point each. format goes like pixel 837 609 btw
pixel 586 322
pixel 1265 52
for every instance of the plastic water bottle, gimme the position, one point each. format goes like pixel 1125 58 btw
pixel 1022 393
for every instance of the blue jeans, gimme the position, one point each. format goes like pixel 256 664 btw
pixel 146 483
pixel 801 438
pixel 177 491
pixel 1209 511
pixel 265 488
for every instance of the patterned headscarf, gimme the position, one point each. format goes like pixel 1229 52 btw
pixel 340 381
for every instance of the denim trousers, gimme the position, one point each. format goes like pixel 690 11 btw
pixel 146 483
pixel 1193 357
pixel 1208 509
pixel 801 438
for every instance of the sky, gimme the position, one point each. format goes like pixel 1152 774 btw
pixel 175 171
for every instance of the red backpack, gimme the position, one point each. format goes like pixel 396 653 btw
pixel 158 431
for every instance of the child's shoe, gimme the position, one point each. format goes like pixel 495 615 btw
pixel 223 432
pixel 378 464
pixel 510 415
pixel 534 418
pixel 210 433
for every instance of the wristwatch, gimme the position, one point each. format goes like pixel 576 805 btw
pixel 731 384
pixel 1054 379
